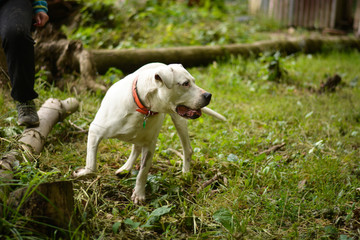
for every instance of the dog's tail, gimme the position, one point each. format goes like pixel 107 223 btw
pixel 212 113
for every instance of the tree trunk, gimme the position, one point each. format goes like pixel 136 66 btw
pixel 129 60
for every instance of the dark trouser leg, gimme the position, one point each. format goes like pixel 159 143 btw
pixel 15 27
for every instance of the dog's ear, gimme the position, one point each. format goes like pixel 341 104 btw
pixel 166 76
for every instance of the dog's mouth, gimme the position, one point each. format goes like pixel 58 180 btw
pixel 187 112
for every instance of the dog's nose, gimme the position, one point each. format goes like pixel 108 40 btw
pixel 207 97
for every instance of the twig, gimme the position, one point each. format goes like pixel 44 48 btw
pixel 92 183
pixel 208 182
pixel 273 149
pixel 77 127
pixel 176 152
pixel 5 73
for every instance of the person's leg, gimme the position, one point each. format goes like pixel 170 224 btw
pixel 18 45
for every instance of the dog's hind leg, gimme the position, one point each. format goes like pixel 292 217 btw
pixel 126 168
pixel 138 195
pixel 182 130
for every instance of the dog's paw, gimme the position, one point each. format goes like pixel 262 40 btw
pixel 83 173
pixel 137 198
pixel 122 173
pixel 186 169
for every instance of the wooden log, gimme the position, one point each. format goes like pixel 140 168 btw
pixel 61 55
pixel 32 139
pixel 129 60
pixel 54 203
pixel 51 112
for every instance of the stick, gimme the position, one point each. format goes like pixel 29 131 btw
pixel 176 152
pixel 208 182
pixel 273 149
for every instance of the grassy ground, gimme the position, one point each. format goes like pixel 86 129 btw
pixel 306 190
pixel 148 24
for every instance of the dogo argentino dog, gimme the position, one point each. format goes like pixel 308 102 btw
pixel 133 110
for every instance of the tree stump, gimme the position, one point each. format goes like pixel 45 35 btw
pixel 50 206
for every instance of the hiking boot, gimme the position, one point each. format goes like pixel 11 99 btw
pixel 27 115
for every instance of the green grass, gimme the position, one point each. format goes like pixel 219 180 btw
pixel 149 24
pixel 306 190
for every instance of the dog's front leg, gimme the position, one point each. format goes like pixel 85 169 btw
pixel 182 130
pixel 138 195
pixel 126 168
pixel 92 147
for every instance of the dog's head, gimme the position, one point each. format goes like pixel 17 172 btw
pixel 177 88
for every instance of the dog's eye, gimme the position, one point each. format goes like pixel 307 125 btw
pixel 186 84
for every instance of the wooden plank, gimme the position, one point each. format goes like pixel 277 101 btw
pixel 265 6
pixel 284 12
pixel 275 10
pixel 327 13
pixel 301 16
pixel 316 13
pixel 312 13
pixel 254 6
pixel 291 13
pixel 298 3
pixel 306 12
pixel 357 18
pixel 321 11
pixel 325 10
pixel 333 9
pixel 271 8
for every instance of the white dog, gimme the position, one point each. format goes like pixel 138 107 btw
pixel 133 110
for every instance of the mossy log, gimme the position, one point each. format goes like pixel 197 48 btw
pixel 129 60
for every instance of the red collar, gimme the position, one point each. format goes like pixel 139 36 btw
pixel 141 108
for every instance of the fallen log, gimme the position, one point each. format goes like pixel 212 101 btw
pixel 68 56
pixel 129 60
pixel 32 140
pixel 51 112
pixel 60 55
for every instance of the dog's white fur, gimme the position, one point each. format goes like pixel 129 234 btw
pixel 161 88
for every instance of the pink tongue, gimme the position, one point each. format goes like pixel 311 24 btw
pixel 187 112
